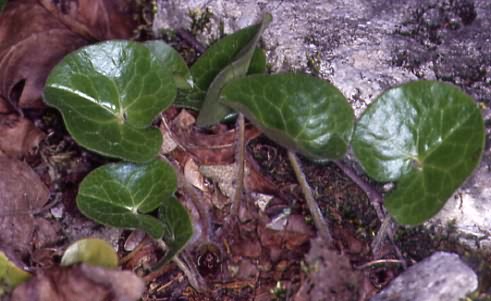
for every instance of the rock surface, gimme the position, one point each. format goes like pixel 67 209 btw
pixel 364 47
pixel 441 277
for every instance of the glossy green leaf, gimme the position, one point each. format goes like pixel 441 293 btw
pixel 194 98
pixel 123 194
pixel 10 275
pixel 2 4
pixel 178 228
pixel 109 94
pixel 172 61
pixel 212 110
pixel 298 111
pixel 92 251
pixel 190 99
pixel 426 135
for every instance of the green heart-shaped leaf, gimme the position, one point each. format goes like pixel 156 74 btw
pixel 172 61
pixel 109 94
pixel 178 228
pixel 212 111
pixel 298 111
pixel 92 251
pixel 10 275
pixel 426 135
pixel 123 194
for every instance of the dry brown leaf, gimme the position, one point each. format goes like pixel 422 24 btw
pixel 33 39
pixel 80 283
pixel 21 194
pixel 19 135
pixel 95 19
pixel 193 175
pixel 332 276
pixel 294 234
pixel 208 149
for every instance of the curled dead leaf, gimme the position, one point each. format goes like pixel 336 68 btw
pixel 19 135
pixel 35 35
pixel 80 283
pixel 21 194
pixel 207 148
pixel 332 276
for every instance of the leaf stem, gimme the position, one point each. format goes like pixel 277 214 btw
pixel 240 159
pixel 376 198
pixel 319 220
pixel 187 267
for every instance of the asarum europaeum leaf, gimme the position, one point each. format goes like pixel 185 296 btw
pixel 194 98
pixel 212 111
pixel 178 228
pixel 172 61
pixel 92 251
pixel 124 194
pixel 109 93
pixel 427 136
pixel 222 53
pixel 300 112
pixel 10 275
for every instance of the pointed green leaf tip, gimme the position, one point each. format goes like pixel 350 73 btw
pixel 427 136
pixel 212 110
pixel 124 194
pixel 298 111
pixel 109 93
pixel 91 251
pixel 10 275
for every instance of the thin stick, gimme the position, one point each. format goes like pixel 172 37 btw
pixel 188 269
pixel 380 261
pixel 319 220
pixel 239 158
pixel 189 274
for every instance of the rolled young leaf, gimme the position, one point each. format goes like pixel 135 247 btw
pixel 194 98
pixel 427 136
pixel 109 93
pixel 300 112
pixel 123 194
pixel 212 111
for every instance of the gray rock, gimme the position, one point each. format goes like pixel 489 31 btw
pixel 366 46
pixel 441 277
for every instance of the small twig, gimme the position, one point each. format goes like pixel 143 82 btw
pixel 319 220
pixel 239 159
pixel 187 268
pixel 191 273
pixel 383 232
pixel 376 199
pixel 190 40
pixel 380 261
